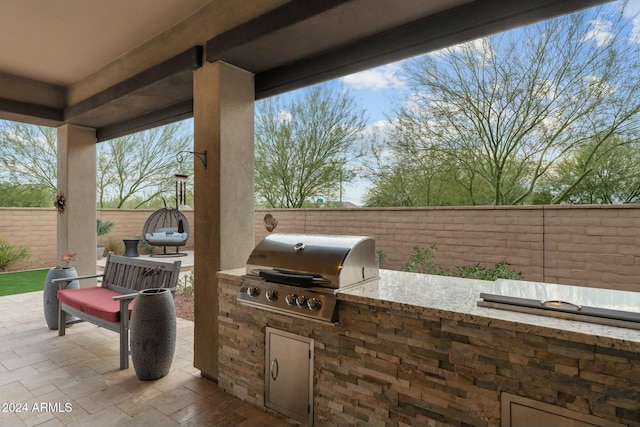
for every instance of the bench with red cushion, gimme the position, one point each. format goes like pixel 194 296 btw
pixel 102 305
pixel 96 301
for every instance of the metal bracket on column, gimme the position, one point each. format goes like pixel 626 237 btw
pixel 201 155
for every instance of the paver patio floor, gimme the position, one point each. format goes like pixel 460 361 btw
pixel 75 380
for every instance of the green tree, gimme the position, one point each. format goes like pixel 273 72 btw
pixel 141 166
pixel 25 195
pixel 598 172
pixel 304 147
pixel 28 154
pixel 412 179
pixel 503 110
pixel 132 171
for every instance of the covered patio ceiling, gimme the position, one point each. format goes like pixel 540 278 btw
pixel 123 66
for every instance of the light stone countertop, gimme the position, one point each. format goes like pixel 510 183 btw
pixel 456 299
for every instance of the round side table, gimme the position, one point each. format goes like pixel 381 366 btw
pixel 131 247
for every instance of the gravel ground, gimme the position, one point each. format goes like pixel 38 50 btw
pixel 184 306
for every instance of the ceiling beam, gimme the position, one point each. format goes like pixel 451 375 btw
pixel 28 112
pixel 277 19
pixel 156 88
pixel 453 26
pixel 180 111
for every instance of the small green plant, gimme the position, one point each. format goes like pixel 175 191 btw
pixel 104 227
pixel 500 271
pixel 9 254
pixel 422 262
pixel 117 247
pixel 145 247
pixel 381 256
pixel 187 285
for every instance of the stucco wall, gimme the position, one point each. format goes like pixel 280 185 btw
pixel 587 245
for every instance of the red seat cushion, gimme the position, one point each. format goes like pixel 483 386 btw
pixel 95 301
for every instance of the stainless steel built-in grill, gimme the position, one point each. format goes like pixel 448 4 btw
pixel 300 274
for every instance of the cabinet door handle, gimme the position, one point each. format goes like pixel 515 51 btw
pixel 561 305
pixel 274 369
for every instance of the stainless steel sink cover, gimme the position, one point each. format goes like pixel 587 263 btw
pixel 594 305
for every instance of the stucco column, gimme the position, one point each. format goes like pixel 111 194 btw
pixel 223 111
pixel 77 181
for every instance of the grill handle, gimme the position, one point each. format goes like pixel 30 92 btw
pixel 287 279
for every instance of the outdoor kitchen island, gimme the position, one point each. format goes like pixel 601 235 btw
pixel 413 349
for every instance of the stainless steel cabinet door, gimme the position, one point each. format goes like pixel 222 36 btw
pixel 519 411
pixel 289 374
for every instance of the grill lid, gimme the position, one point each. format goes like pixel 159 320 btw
pixel 322 260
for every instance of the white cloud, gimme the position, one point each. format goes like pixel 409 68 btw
pixel 632 12
pixel 374 134
pixel 634 37
pixel 380 78
pixel 480 48
pixel 381 127
pixel 633 8
pixel 544 89
pixel 598 87
pixel 284 116
pixel 600 32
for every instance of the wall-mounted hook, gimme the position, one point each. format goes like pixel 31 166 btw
pixel 201 155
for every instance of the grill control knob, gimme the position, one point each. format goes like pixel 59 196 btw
pixel 301 301
pixel 253 291
pixel 314 304
pixel 272 295
pixel 291 299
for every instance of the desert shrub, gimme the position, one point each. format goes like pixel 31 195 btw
pixel 103 227
pixel 9 254
pixel 187 284
pixel 500 271
pixel 422 262
pixel 145 247
pixel 115 246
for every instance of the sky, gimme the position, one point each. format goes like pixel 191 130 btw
pixel 379 89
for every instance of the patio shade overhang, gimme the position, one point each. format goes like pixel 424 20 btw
pixel 287 45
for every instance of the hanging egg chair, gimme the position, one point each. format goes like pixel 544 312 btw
pixel 166 227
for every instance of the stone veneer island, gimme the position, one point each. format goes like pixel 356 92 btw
pixel 412 349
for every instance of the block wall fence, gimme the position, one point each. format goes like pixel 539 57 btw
pixel 590 245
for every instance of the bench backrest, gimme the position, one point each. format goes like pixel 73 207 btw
pixel 128 275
